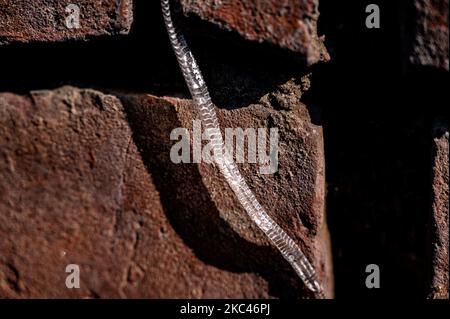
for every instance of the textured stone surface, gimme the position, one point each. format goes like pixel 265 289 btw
pixel 430 46
pixel 43 20
pixel 440 217
pixel 289 24
pixel 86 178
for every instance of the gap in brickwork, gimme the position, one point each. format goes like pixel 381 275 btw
pixel 377 117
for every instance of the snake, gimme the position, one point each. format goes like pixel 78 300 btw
pixel 202 100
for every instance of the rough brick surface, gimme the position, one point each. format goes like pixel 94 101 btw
pixel 430 46
pixel 289 24
pixel 440 217
pixel 86 178
pixel 43 20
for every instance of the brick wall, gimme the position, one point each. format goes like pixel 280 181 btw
pixel 90 92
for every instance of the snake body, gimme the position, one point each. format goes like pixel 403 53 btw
pixel 199 91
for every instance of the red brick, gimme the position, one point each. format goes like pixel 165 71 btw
pixel 288 24
pixel 86 178
pixel 430 46
pixel 440 218
pixel 43 20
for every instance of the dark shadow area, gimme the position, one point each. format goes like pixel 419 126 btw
pixel 238 72
pixel 190 210
pixel 136 61
pixel 377 117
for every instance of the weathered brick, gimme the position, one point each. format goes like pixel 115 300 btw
pixel 86 178
pixel 289 24
pixel 439 222
pixel 430 41
pixel 44 20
